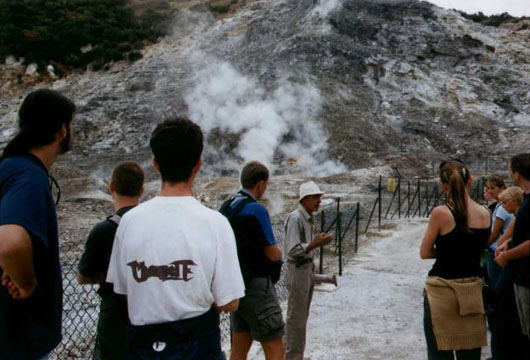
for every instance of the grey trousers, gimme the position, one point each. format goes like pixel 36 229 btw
pixel 522 298
pixel 300 286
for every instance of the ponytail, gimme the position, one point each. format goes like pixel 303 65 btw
pixel 19 145
pixel 40 116
pixel 455 175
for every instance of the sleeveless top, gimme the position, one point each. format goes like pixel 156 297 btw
pixel 458 253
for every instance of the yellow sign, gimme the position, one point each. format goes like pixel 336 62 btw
pixel 391 184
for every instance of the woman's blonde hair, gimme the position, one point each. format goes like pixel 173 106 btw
pixel 514 193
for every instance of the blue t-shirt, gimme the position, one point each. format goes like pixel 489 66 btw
pixel 259 212
pixel 31 328
pixel 506 217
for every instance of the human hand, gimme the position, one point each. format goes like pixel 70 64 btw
pixel 15 291
pixel 323 239
pixel 502 259
pixel 501 248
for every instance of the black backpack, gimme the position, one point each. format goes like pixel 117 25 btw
pixel 250 241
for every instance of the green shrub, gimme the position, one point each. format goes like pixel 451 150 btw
pixel 54 31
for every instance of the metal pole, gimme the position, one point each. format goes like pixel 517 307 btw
pixel 370 217
pixel 486 166
pixel 380 186
pixel 408 196
pixel 419 198
pixel 322 227
pixel 339 235
pixel 399 198
pixel 357 227
pixel 391 202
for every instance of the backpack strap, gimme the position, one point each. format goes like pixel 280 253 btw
pixel 228 211
pixel 115 219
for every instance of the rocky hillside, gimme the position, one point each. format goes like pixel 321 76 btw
pixel 311 87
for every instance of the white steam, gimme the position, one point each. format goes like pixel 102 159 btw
pixel 324 7
pixel 276 127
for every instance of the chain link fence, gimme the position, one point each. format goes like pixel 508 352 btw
pixel 350 222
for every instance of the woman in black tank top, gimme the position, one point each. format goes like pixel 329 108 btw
pixel 457 248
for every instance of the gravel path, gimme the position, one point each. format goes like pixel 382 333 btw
pixel 377 310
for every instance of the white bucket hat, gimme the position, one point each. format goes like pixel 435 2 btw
pixel 309 188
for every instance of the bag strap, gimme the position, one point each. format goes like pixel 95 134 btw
pixel 227 211
pixel 115 219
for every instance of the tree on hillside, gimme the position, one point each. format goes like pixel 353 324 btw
pixel 74 33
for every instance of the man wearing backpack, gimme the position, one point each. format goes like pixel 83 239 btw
pixel 259 316
pixel 31 291
pixel 126 187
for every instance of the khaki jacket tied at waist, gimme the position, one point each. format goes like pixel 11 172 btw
pixel 457 311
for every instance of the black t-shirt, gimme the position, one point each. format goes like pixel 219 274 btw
pixel 31 328
pixel 492 207
pixel 96 257
pixel 520 268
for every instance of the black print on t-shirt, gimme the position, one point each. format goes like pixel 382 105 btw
pixel 177 270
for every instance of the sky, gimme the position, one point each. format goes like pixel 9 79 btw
pixel 488 7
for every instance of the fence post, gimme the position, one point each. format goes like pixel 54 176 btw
pixel 339 235
pixel 399 198
pixel 380 201
pixel 408 196
pixel 357 227
pixel 322 229
pixel 419 198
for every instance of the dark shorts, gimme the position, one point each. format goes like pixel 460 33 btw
pixel 112 328
pixel 259 312
pixel 191 339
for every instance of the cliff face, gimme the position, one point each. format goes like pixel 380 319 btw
pixel 311 87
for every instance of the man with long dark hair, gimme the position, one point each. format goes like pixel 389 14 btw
pixel 31 291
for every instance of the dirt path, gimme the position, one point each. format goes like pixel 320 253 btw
pixel 377 310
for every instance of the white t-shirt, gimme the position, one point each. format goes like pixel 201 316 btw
pixel 505 216
pixel 173 258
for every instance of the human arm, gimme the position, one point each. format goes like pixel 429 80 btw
pixel 320 240
pixel 497 227
pixel 273 253
pixel 92 267
pixel 520 251
pixel 427 250
pixel 227 308
pixel 16 260
pixel 264 226
pixel 87 280
pixel 506 235
pixel 294 242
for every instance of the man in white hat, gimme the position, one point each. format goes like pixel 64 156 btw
pixel 298 247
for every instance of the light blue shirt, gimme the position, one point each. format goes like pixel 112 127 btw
pixel 500 213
